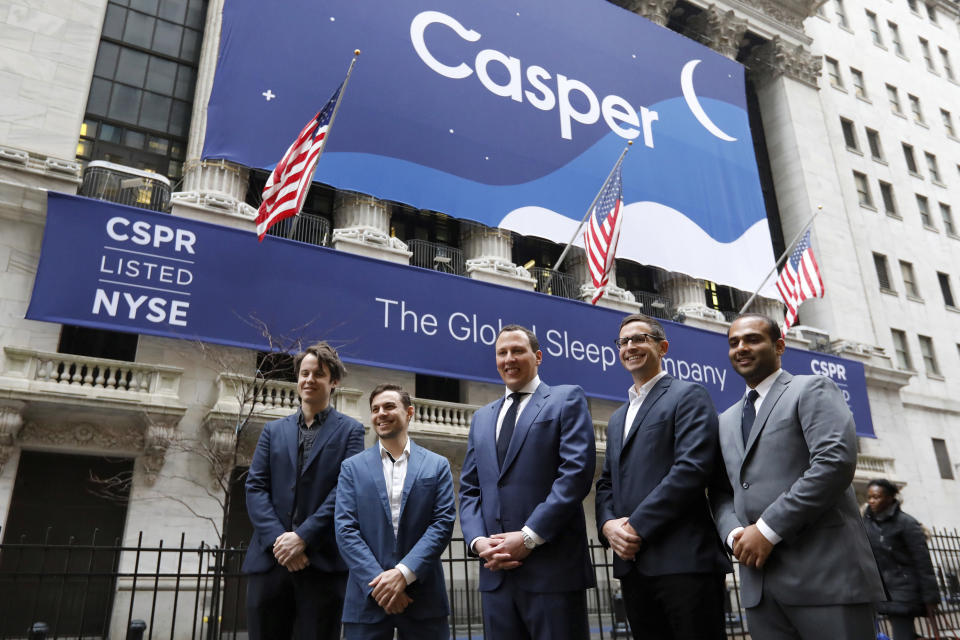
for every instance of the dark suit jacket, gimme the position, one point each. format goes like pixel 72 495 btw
pixel 796 472
pixel 271 489
pixel 546 475
pixel 365 531
pixel 658 477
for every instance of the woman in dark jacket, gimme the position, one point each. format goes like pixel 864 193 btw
pixel 900 547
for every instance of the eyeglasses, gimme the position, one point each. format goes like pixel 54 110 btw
pixel 637 338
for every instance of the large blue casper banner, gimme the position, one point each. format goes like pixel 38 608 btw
pixel 115 267
pixel 507 113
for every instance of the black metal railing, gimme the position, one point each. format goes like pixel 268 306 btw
pixel 436 256
pixel 654 304
pixel 555 283
pixel 306 227
pixel 98 590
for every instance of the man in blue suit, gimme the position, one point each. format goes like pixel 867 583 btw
pixel 297 577
pixel 394 517
pixel 651 503
pixel 529 464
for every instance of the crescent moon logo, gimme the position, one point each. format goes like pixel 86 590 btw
pixel 686 83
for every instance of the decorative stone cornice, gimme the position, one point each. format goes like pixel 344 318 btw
pixel 720 30
pixel 657 11
pixel 789 12
pixel 11 422
pixel 157 440
pixel 778 58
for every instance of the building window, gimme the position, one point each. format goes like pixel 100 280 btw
pixel 893 96
pixel 947 67
pixel 873 140
pixel 910 159
pixel 863 190
pixel 947 216
pixel 859 88
pixel 943 458
pixel 889 203
pixel 895 38
pixel 925 50
pixel 883 272
pixel 141 95
pixel 915 108
pixel 833 70
pixel 909 280
pixel 932 166
pixel 901 349
pixel 913 6
pixel 932 13
pixel 874 28
pixel 929 356
pixel 924 208
pixel 841 12
pixel 849 134
pixel 947 118
pixel 946 289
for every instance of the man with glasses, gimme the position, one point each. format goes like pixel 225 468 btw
pixel 651 504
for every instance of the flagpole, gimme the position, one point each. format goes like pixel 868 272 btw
pixel 556 267
pixel 333 116
pixel 780 260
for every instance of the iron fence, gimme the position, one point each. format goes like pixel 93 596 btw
pixel 436 256
pixel 307 228
pixel 654 304
pixel 555 283
pixel 104 589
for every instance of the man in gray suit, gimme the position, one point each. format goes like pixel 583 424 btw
pixel 786 507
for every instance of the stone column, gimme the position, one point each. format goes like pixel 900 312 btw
pixel 613 298
pixel 720 30
pixel 688 297
pixel 769 307
pixel 362 226
pixel 211 185
pixel 654 10
pixel 489 256
pixel 786 78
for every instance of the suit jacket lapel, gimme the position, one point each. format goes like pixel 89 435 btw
pixel 524 421
pixel 779 386
pixel 487 437
pixel 658 390
pixel 414 465
pixel 329 427
pixel 291 431
pixel 375 468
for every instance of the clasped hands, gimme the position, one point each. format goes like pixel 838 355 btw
pixel 751 548
pixel 502 550
pixel 622 537
pixel 289 550
pixel 389 590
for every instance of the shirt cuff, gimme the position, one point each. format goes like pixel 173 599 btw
pixel 730 535
pixel 408 575
pixel 772 536
pixel 537 540
pixel 473 542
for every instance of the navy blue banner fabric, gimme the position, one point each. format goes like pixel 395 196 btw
pixel 115 267
pixel 507 113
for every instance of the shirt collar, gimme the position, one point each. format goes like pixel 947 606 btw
pixel 528 388
pixel 405 454
pixel 321 417
pixel 764 387
pixel 634 394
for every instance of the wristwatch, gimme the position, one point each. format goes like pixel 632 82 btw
pixel 528 540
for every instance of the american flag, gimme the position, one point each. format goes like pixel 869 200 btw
pixel 603 231
pixel 800 279
pixel 287 186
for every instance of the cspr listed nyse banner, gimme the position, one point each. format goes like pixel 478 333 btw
pixel 114 267
pixel 510 113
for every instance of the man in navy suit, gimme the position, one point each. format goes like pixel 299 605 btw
pixel 394 518
pixel 651 503
pixel 297 578
pixel 529 464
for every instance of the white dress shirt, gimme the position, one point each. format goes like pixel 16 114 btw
pixel 637 396
pixel 762 390
pixel 394 475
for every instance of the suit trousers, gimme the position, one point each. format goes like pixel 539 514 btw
pixel 512 613
pixel 771 620
pixel 407 629
pixel 902 627
pixel 307 603
pixel 682 606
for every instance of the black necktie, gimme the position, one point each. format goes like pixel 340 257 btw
pixel 509 423
pixel 749 415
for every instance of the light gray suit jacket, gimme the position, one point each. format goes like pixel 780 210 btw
pixel 796 472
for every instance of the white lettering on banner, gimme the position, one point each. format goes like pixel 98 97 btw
pixel 560 345
pixel 617 112
pixel 173 312
pixel 830 369
pixel 144 234
pixel 705 374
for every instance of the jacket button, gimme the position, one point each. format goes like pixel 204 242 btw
pixel 745 485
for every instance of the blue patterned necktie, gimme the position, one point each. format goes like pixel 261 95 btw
pixel 749 415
